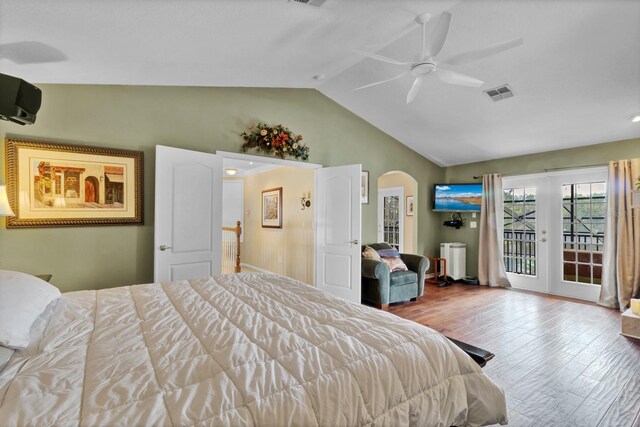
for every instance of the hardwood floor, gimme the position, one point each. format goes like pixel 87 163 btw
pixel 560 361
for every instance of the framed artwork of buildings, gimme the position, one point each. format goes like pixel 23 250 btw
pixel 57 185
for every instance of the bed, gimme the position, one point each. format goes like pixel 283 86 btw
pixel 239 349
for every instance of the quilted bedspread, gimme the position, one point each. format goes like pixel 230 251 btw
pixel 243 349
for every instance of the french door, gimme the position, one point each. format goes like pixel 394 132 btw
pixel 554 232
pixel 525 237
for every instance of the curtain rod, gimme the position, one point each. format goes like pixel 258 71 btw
pixel 555 169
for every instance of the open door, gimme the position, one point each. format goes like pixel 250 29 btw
pixel 188 219
pixel 338 231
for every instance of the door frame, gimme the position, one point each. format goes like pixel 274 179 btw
pixel 555 285
pixel 288 163
pixel 391 191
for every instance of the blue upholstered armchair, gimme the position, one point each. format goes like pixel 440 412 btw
pixel 380 287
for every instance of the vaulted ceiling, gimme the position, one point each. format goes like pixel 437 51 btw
pixel 576 77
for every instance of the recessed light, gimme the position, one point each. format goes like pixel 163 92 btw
pixel 231 171
pixel 251 163
pixel 635 118
pixel 319 77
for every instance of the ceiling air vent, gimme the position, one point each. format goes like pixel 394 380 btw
pixel 499 93
pixel 316 3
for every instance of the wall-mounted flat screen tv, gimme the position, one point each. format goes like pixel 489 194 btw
pixel 457 197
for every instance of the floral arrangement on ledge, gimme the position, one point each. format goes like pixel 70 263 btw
pixel 276 140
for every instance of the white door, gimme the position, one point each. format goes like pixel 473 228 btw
pixel 391 216
pixel 525 232
pixel 338 211
pixel 188 217
pixel 576 232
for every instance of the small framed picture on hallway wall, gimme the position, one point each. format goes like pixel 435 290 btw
pixel 272 208
pixel 59 185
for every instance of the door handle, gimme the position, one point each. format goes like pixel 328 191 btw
pixel 164 247
pixel 544 239
pixel 354 242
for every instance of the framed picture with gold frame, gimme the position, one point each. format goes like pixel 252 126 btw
pixel 272 208
pixel 61 185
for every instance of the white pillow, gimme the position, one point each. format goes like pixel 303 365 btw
pixel 22 299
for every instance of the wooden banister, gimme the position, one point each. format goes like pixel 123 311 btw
pixel 238 230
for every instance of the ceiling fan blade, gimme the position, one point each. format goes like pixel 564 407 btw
pixel 439 35
pixel 458 79
pixel 383 81
pixel 28 52
pixel 465 58
pixel 415 88
pixel 381 58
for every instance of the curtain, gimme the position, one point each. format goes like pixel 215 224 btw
pixel 491 270
pixel 621 263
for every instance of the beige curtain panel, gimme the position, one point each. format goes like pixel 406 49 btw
pixel 491 271
pixel 621 264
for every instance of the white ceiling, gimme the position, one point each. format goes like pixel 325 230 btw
pixel 576 78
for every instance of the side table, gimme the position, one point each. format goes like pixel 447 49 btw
pixel 439 269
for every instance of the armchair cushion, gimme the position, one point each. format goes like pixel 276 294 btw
pixel 402 278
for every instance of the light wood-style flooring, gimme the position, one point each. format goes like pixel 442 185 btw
pixel 560 361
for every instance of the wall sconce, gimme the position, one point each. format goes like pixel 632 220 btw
pixel 231 171
pixel 305 201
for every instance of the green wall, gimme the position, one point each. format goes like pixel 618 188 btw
pixel 203 119
pixel 599 154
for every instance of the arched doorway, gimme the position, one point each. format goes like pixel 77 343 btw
pixel 91 189
pixel 397 210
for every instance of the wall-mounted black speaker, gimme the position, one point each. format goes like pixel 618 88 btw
pixel 19 100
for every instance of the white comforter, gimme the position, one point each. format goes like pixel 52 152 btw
pixel 245 349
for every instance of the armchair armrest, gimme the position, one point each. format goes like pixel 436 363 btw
pixel 375 282
pixel 373 269
pixel 418 264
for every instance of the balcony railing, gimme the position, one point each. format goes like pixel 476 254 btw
pixel 582 255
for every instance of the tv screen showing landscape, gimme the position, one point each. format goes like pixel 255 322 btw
pixel 457 197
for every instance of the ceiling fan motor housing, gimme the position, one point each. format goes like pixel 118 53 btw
pixel 421 69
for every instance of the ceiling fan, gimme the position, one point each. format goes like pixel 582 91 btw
pixel 30 52
pixel 426 62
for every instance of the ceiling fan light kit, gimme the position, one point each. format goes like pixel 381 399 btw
pixel 426 63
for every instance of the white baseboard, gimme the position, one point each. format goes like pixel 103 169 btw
pixel 428 276
pixel 253 267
